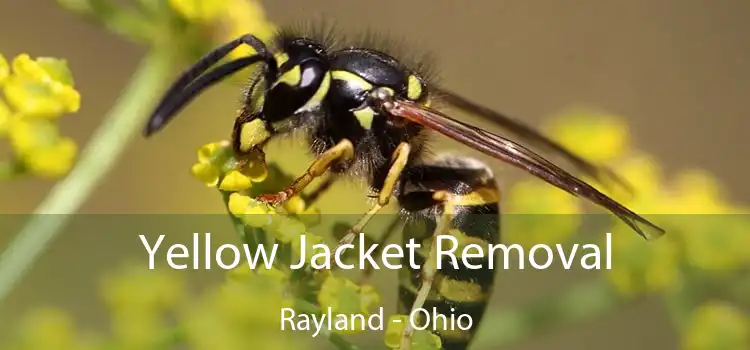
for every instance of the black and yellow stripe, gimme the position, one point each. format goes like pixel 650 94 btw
pixel 456 290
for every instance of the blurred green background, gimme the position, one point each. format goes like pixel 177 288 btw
pixel 676 70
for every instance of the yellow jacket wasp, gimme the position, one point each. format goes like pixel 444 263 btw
pixel 366 115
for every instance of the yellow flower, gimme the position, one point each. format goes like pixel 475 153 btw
pixel 42 87
pixel 215 161
pixel 237 314
pixel 244 17
pixel 342 296
pixel 421 340
pixel 640 266
pixel 209 151
pixel 199 10
pixel 6 116
pixel 4 69
pixel 596 136
pixel 53 161
pixel 136 288
pixel 50 329
pixel 288 229
pixel 206 173
pixel 540 213
pixel 717 326
pixel 235 181
pixel 41 148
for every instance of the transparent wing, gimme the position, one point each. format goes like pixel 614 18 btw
pixel 519 156
pixel 532 136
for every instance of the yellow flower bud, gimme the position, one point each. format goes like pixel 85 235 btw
pixel 235 181
pixel 238 203
pixel 53 161
pixel 207 151
pixel 40 99
pixel 422 340
pixel 257 215
pixel 41 87
pixel 287 229
pixel 295 205
pixel 206 173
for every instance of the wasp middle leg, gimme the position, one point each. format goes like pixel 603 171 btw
pixel 398 164
pixel 455 197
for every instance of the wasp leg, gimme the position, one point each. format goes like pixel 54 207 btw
pixel 453 202
pixel 314 195
pixel 341 152
pixel 398 163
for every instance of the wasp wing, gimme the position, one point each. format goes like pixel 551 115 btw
pixel 523 131
pixel 519 156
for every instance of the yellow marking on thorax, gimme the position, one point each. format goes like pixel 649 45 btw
pixel 319 95
pixel 352 78
pixel 413 88
pixel 291 77
pixel 365 116
pixel 252 134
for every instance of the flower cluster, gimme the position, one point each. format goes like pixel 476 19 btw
pixel 706 234
pixel 37 92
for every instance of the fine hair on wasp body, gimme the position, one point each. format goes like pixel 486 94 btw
pixel 367 114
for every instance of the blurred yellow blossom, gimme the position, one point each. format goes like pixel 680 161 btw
pixel 287 229
pixel 596 136
pixel 717 326
pixel 539 213
pixel 244 17
pixel 343 296
pixel 42 149
pixel 421 340
pixel 6 116
pixel 199 10
pixel 640 266
pixel 137 288
pixel 4 69
pixel 231 316
pixel 49 329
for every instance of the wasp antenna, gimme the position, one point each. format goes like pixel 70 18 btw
pixel 186 87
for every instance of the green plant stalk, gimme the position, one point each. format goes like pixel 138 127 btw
pixel 582 302
pixel 95 162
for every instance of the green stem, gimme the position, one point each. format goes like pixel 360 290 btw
pixel 99 157
pixel 580 303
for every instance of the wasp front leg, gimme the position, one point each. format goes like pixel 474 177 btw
pixel 453 202
pixel 341 152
